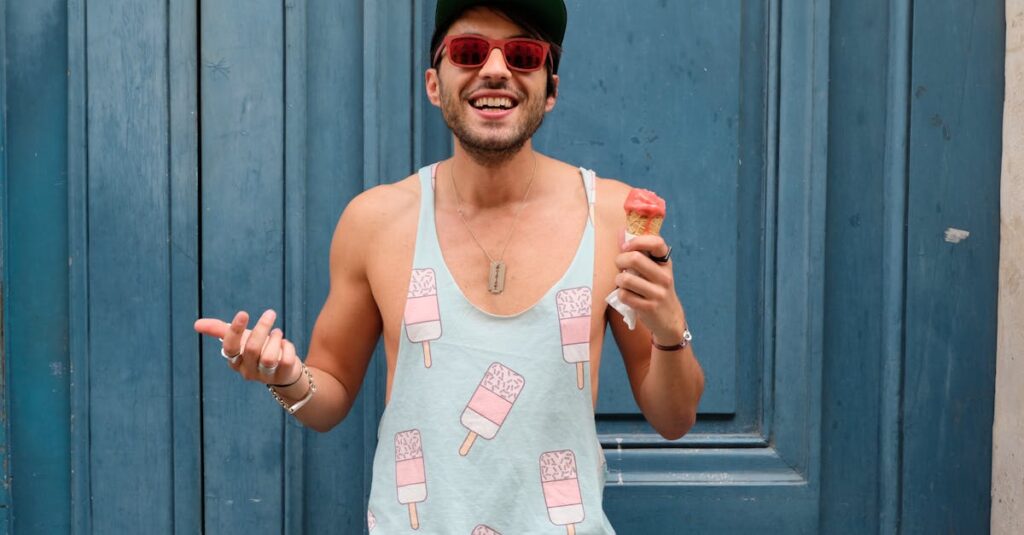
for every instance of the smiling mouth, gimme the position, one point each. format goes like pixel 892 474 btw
pixel 493 103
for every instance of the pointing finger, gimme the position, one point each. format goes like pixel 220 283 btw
pixel 211 327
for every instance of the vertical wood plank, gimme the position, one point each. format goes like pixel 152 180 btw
pixel 78 266
pixel 183 87
pixel 432 140
pixel 335 173
pixel 242 231
pixel 129 291
pixel 5 406
pixel 954 173
pixel 36 265
pixel 295 193
pixel 894 267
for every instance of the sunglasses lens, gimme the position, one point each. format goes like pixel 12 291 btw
pixel 524 55
pixel 468 51
pixel 520 54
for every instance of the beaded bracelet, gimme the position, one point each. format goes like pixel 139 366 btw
pixel 300 403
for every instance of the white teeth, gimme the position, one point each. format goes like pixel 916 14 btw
pixel 493 102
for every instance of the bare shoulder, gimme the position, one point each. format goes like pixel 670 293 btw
pixel 374 215
pixel 372 209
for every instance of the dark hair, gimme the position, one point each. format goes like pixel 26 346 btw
pixel 519 18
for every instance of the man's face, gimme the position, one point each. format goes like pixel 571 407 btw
pixel 492 110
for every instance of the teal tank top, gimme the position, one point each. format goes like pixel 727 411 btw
pixel 490 427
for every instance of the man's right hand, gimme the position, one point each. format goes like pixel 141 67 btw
pixel 264 345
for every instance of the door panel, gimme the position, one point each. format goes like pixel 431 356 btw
pixel 729 142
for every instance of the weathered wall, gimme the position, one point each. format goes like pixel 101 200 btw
pixel 1008 434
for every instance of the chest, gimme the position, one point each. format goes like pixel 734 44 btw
pixel 542 246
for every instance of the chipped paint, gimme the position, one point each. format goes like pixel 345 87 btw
pixel 955 235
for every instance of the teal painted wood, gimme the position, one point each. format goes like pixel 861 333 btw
pixel 334 174
pixel 5 379
pixel 129 215
pixel 78 261
pixel 183 125
pixel 293 318
pixel 432 141
pixel 858 207
pixel 36 265
pixel 954 169
pixel 242 240
pixel 894 267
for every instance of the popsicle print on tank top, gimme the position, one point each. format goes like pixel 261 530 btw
pixel 574 323
pixel 491 402
pixel 410 475
pixel 422 313
pixel 561 486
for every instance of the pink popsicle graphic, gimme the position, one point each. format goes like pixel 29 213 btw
pixel 371 521
pixel 422 314
pixel 561 489
pixel 574 320
pixel 490 404
pixel 481 529
pixel 410 475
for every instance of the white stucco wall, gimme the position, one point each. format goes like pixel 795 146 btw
pixel 1008 431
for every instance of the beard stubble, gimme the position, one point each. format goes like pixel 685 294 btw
pixel 494 149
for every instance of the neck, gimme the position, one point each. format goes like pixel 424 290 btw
pixel 492 184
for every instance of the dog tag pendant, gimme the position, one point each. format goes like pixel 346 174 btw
pixel 496 278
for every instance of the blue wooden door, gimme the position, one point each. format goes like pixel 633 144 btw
pixel 167 160
pixel 729 129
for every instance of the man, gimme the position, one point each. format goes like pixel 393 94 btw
pixel 486 275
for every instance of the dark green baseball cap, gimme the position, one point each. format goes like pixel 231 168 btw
pixel 549 15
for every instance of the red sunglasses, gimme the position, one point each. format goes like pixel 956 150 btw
pixel 471 51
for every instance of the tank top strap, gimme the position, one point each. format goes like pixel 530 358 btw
pixel 590 186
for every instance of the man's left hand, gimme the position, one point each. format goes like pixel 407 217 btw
pixel 649 288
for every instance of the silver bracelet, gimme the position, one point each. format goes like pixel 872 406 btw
pixel 300 403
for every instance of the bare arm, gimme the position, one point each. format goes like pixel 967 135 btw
pixel 667 385
pixel 344 335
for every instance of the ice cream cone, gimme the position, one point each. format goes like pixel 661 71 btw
pixel 639 224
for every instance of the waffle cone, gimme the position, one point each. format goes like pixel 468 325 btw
pixel 637 224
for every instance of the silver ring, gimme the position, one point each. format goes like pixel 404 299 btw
pixel 265 370
pixel 232 359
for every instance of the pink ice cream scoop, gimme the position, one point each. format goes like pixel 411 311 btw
pixel 490 404
pixel 410 475
pixel 561 486
pixel 574 319
pixel 484 530
pixel 422 313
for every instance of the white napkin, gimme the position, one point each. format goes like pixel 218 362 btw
pixel 628 314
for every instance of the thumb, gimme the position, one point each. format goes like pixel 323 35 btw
pixel 211 327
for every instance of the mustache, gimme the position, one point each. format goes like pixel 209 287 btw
pixel 495 86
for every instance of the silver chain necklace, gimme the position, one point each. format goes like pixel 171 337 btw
pixel 496 275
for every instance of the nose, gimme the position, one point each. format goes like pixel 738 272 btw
pixel 495 66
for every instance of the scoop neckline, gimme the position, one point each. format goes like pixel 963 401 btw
pixel 587 227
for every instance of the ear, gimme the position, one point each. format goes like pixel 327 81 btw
pixel 550 104
pixel 433 86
